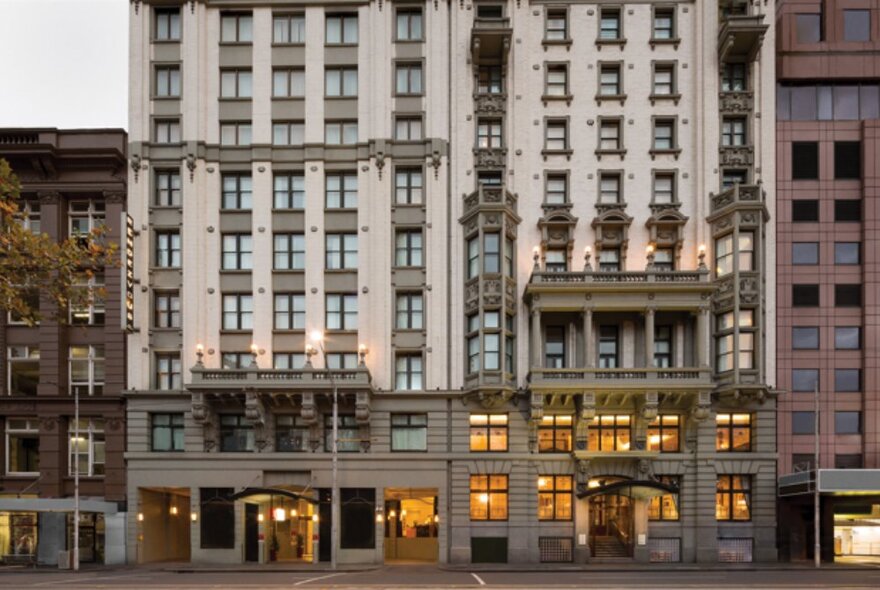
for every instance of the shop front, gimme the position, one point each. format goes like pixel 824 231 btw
pixel 411 525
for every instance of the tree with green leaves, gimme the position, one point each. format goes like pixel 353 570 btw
pixel 57 271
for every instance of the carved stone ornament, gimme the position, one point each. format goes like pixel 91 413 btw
pixel 701 410
pixel 536 407
pixel 254 410
pixel 309 410
pixel 736 156
pixel 362 407
pixel 557 229
pixel 735 103
pixel 490 104
pixel 651 406
pixel 612 230
pixel 588 406
pixel 490 157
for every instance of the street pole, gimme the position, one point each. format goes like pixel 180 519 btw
pixel 334 489
pixel 817 544
pixel 76 479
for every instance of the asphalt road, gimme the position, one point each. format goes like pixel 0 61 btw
pixel 427 577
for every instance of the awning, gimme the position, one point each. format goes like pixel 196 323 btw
pixel 252 492
pixel 632 488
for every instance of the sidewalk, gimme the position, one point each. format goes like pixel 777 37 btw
pixel 651 567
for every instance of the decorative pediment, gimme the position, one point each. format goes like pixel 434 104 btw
pixel 666 228
pixel 557 229
pixel 612 229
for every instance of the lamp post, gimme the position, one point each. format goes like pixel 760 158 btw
pixel 76 479
pixel 318 337
pixel 817 542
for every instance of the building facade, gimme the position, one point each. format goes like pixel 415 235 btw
pixel 827 148
pixel 536 237
pixel 72 181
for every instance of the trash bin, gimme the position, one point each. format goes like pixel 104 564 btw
pixel 64 560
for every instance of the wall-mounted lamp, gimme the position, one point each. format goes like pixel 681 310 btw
pixel 140 517
pixel 362 354
pixel 200 353
pixel 588 252
pixel 173 511
pixel 701 256
pixel 293 513
pixel 315 517
pixel 194 516
pixel 279 514
pixel 536 256
pixel 260 518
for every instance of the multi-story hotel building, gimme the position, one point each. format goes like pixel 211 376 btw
pixel 72 181
pixel 828 145
pixel 537 239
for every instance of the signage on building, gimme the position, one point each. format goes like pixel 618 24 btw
pixel 128 275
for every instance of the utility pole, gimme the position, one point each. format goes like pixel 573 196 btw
pixel 334 489
pixel 817 544
pixel 76 454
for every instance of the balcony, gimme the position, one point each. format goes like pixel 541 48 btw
pixel 680 379
pixel 490 39
pixel 740 37
pixel 279 380
pixel 489 197
pixel 751 194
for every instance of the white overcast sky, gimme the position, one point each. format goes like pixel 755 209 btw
pixel 64 63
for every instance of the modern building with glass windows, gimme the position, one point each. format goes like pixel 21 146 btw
pixel 828 116
pixel 72 182
pixel 536 239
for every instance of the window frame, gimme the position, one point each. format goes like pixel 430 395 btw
pixel 29 431
pixel 243 315
pixel 173 426
pixel 731 492
pixel 241 90
pixel 495 430
pixel 296 258
pixel 408 426
pixel 553 494
pixel 344 18
pixel 294 195
pixel 172 378
pixel 621 428
pixel 240 32
pixel 409 371
pixel 294 316
pixel 347 198
pixel 407 13
pixel 240 257
pixel 290 18
pixel 414 193
pixel 95 362
pixel 409 310
pixel 497 487
pixel 91 430
pixel 726 429
pixel 558 433
pixel 345 317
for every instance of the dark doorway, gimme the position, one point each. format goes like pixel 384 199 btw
pixel 488 549
pixel 324 516
pixel 251 532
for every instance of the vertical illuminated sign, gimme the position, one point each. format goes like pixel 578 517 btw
pixel 128 275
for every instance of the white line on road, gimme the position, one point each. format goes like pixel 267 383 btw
pixel 479 579
pixel 307 580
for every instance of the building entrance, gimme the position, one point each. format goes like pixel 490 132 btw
pixel 411 524
pixel 164 524
pixel 856 531
pixel 279 524
pixel 611 523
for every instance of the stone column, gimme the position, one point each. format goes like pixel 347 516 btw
pixel 640 531
pixel 536 339
pixel 589 344
pixel 649 337
pixel 703 337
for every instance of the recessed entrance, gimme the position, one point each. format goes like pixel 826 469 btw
pixel 856 531
pixel 411 524
pixel 163 525
pixel 279 524
pixel 611 522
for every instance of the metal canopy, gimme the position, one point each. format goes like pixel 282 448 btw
pixel 251 492
pixel 636 489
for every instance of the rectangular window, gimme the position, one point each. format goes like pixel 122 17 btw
pixel 609 25
pixel 238 252
pixel 292 434
pixel 289 29
pixel 235 133
pixel 167 24
pixel 23 369
pixel 491 253
pixel 848 295
pixel 342 360
pixel 554 347
pixel 857 25
pixel 341 82
pixel 288 133
pixel 409 311
pixel 235 360
pixel 847 160
pixel 556 189
pixel 87 370
pixel 488 497
pixel 554 497
pixel 609 187
pixel 489 133
pixel 803 422
pixel 663 345
pixel 340 132
pixel 805 253
pixel 238 312
pixel 87 303
pixel 733 77
pixel 733 497
pixel 556 135
pixel 217 516
pixel 555 260
pixel 847 210
pixel 236 28
pixel 664 134
pixel 341 190
pixel 488 432
pixel 664 24
pixel 805 210
pixel 847 253
pixel 236 434
pixel 847 380
pixel 341 251
pixel 166 432
pixel 408 128
pixel 808 28
pixel 609 135
pixel 555 434
pixel 608 347
pixel 610 80
pixel 289 191
pixel 804 380
pixel 290 83
pixel 733 433
pixel 288 360
pixel 733 131
pixel 847 337
pixel 805 160
pixel 489 80
pixel 85 447
pixel 409 432
pixel 342 312
pixel 236 84
pixel 408 248
pixel 805 295
pixel 664 80
pixel 167 82
pixel 556 82
pixel 168 372
pixel 609 260
pixel 166 131
pixel 22 446
pixel 408 78
pixel 342 29
pixel 731 177
pixel 849 461
pixel 609 433
pixel 167 189
pixel 473 255
pixel 289 251
pixel 290 311
pixel 409 372
pixel 664 259
pixel 237 191
pixel 348 434
pixel 805 338
pixel 556 25
pixel 408 186
pixel 409 24
pixel 665 507
pixel 726 343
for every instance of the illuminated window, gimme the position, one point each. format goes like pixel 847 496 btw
pixel 554 434
pixel 733 432
pixel 489 497
pixel 86 447
pixel 609 433
pixel 725 341
pixel 554 497
pixel 664 434
pixel 733 497
pixel 488 432
pixel 665 507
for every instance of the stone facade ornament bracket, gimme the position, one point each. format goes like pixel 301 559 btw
pixel 308 409
pixel 362 407
pixel 651 406
pixel 666 230
pixel 612 231
pixel 703 406
pixel 191 166
pixel 204 415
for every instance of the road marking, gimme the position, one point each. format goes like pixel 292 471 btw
pixel 307 580
pixel 480 580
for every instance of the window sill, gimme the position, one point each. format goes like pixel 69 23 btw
pixel 409 41
pixel 22 475
pixel 288 210
pixel 610 97
pixel 236 271
pixel 231 331
pixel 566 153
pixel 341 97
pixel 340 44
pixel 165 98
pixel 164 268
pixel 674 41
pixel 337 271
pixel 546 206
pixel 276 44
pixel 557 98
pixel 396 267
pixel 235 98
pixel 283 98
pixel 600 153
pixel 289 331
pixel 409 94
pixel 165 41
pixel 675 152
pixel 236 43
pixel 288 270
pixel 557 43
pixel 619 42
pixel 664 97
pixel 166 207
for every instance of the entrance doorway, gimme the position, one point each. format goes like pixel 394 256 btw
pixel 164 524
pixel 279 523
pixel 251 532
pixel 411 525
pixel 611 523
pixel 856 531
pixel 91 536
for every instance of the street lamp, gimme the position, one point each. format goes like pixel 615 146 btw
pixel 318 338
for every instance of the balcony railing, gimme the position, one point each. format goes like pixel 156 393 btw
pixel 639 377
pixel 305 378
pixel 491 196
pixel 738 193
pixel 628 277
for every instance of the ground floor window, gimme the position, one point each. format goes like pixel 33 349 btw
pixel 665 507
pixel 554 497
pixel 217 518
pixel 18 533
pixel 357 514
pixel 91 536
pixel 488 497
pixel 733 497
